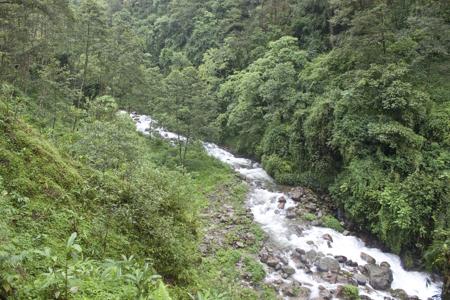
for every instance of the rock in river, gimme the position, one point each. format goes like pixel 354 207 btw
pixel 326 264
pixel 380 278
pixel 369 259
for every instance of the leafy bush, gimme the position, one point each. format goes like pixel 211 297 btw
pixel 350 292
pixel 309 217
pixel 332 222
pixel 275 165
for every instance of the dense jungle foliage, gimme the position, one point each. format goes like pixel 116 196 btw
pixel 349 97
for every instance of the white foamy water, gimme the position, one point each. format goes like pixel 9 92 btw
pixel 262 200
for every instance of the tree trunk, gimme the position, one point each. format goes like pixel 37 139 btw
pixel 86 62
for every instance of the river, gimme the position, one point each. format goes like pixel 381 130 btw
pixel 262 200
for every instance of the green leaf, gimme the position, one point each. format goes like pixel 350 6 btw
pixel 71 239
pixel 77 248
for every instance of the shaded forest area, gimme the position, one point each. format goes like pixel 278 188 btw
pixel 349 97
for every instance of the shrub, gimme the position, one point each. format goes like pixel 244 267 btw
pixel 332 222
pixel 350 292
pixel 309 217
pixel 275 165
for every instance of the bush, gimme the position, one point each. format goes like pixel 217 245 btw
pixel 350 292
pixel 275 165
pixel 332 222
pixel 255 269
pixel 309 217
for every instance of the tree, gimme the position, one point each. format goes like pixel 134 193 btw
pixel 185 108
pixel 263 93
pixel 92 32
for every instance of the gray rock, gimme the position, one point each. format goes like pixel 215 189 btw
pixel 326 264
pixel 400 294
pixel 263 257
pixel 351 263
pixel 290 213
pixel 311 255
pixel 360 279
pixel 284 260
pixel 272 261
pixel 278 267
pixel 327 237
pixel 291 289
pixel 296 194
pixel 239 244
pixel 300 265
pixel 380 278
pixel 304 293
pixel 369 259
pixel 288 270
pixel 329 277
pixel 311 206
pixel 300 251
pixel 341 258
pixel 324 294
pixel 299 230
pixel 281 202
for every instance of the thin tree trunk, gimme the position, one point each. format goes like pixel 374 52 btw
pixel 185 149
pixel 86 62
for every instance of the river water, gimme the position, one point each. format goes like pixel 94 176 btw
pixel 262 200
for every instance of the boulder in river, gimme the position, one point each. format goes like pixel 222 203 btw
pixel 400 294
pixel 281 202
pixel 329 277
pixel 326 264
pixel 288 270
pixel 299 230
pixel 351 263
pixel 380 278
pixel 369 259
pixel 341 258
pixel 324 294
pixel 311 255
pixel 291 213
pixel 303 293
pixel 300 251
pixel 327 237
pixel 272 261
pixel 296 291
pixel 360 279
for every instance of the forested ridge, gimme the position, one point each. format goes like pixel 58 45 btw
pixel 349 98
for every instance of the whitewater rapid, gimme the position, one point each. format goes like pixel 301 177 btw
pixel 262 200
